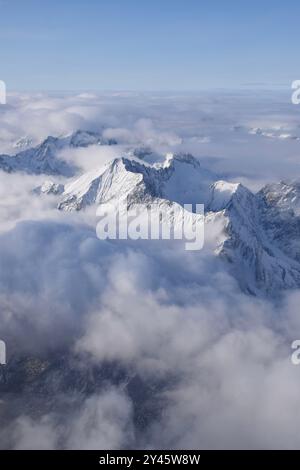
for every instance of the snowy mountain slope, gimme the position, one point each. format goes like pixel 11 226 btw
pixel 39 160
pixel 186 181
pixel 23 142
pixel 113 181
pixel 280 207
pixel 254 259
pixel 44 158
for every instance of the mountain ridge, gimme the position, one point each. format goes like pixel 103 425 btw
pixel 260 231
pixel 44 158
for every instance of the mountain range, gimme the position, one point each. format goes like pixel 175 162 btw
pixel 259 239
pixel 44 158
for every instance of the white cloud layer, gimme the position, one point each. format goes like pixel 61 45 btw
pixel 216 362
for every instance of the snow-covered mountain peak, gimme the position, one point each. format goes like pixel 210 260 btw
pixel 172 159
pixel 283 196
pixel 49 187
pixel 45 159
pixel 180 179
pixel 113 181
pixel 221 194
pixel 186 181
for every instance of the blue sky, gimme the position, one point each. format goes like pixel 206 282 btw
pixel 148 45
